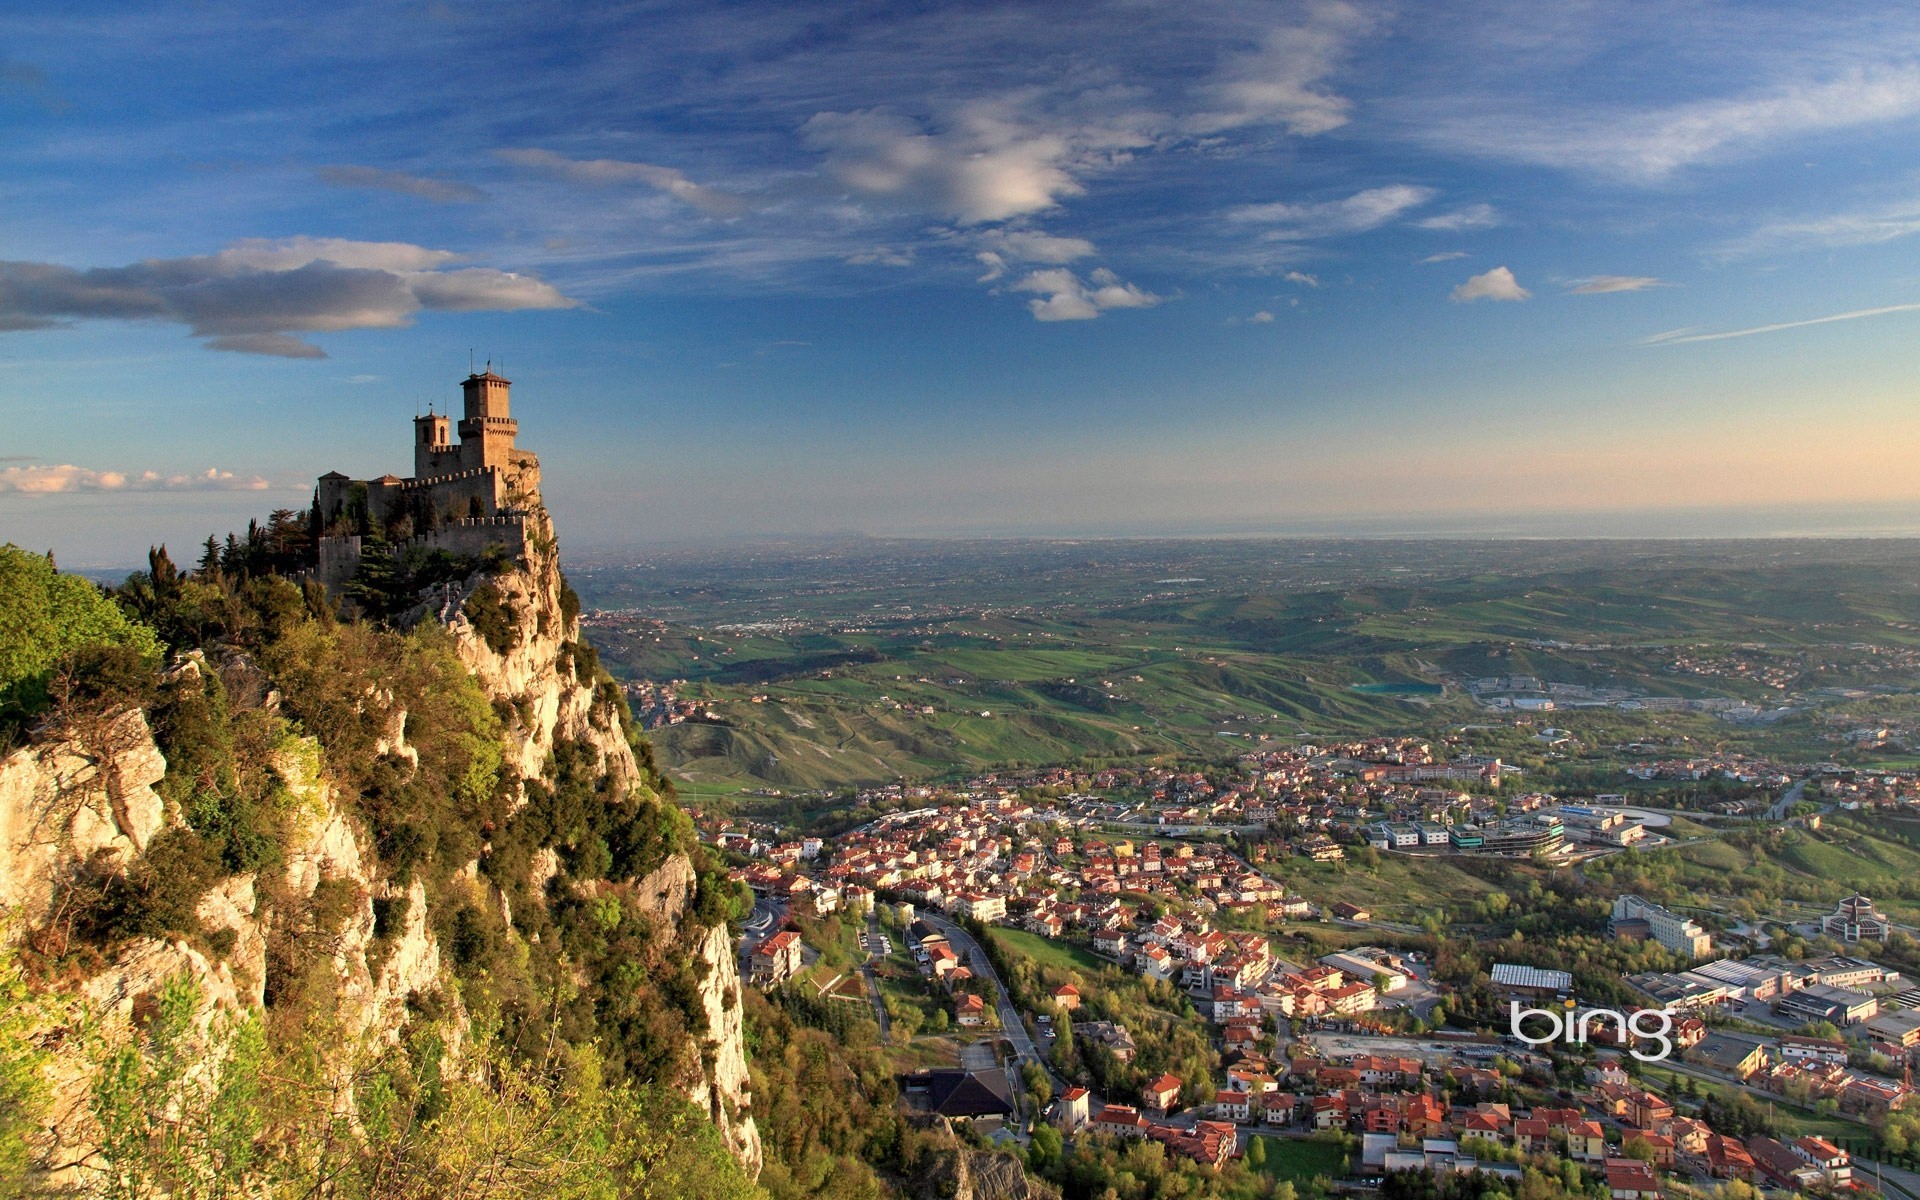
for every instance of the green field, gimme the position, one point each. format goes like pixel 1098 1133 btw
pixel 1298 1160
pixel 876 660
pixel 1049 952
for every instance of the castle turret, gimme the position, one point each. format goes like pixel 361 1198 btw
pixel 487 431
pixel 430 441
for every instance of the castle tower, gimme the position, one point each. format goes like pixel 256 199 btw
pixel 430 441
pixel 487 431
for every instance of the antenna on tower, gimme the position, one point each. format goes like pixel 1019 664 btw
pixel 469 360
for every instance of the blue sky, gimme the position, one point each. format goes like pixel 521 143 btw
pixel 936 268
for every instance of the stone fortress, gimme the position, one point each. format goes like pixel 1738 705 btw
pixel 464 497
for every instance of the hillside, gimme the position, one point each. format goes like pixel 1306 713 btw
pixel 382 908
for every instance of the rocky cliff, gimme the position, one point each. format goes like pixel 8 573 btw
pixel 81 803
pixel 542 671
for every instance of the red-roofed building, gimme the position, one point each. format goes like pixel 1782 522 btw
pixel 1072 1111
pixel 1630 1179
pixel 775 960
pixel 1161 1095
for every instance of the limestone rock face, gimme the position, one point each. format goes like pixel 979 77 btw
pixel 554 700
pixel 722 1087
pixel 533 674
pixel 62 802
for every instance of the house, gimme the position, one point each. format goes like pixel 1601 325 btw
pixel 1071 1113
pixel 1586 1141
pixel 1351 912
pixel 969 1010
pixel 1161 1095
pixel 775 960
pixel 1110 942
pixel 1110 1035
pixel 1727 1158
pixel 1782 1167
pixel 1119 1119
pixel 1067 996
pixel 1630 1179
pixel 1658 1146
pixel 1834 1163
pixel 1156 963
pixel 1230 1105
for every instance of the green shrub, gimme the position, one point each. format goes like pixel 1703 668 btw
pixel 492 618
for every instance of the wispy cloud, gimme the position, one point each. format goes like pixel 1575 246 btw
pixel 1302 278
pixel 1867 226
pixel 1263 317
pixel 1064 296
pixel 1600 285
pixel 55 480
pixel 1443 256
pixel 1648 145
pixel 1461 220
pixel 1358 213
pixel 1681 337
pixel 1497 284
pixel 255 295
pixel 443 191
pixel 606 172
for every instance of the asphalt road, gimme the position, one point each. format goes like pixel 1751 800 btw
pixel 1012 1026
pixel 873 985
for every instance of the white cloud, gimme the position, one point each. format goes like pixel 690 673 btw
pixel 1681 337
pixel 1649 145
pixel 991 164
pixel 607 172
pixel 64 478
pixel 1302 278
pixel 1284 82
pixel 1497 284
pixel 1033 246
pixel 1362 211
pixel 1263 317
pixel 1443 256
pixel 1460 220
pixel 1601 285
pixel 443 191
pixel 1063 296
pixel 255 295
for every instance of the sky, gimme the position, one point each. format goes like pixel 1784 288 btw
pixel 1088 268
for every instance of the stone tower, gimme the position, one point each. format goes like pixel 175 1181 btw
pixel 487 430
pixel 431 448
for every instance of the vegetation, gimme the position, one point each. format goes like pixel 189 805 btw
pixel 577 1022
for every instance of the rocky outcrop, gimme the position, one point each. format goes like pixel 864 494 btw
pixel 65 801
pixel 540 677
pixel 535 673
pixel 962 1174
pixel 723 1088
pixel 86 799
